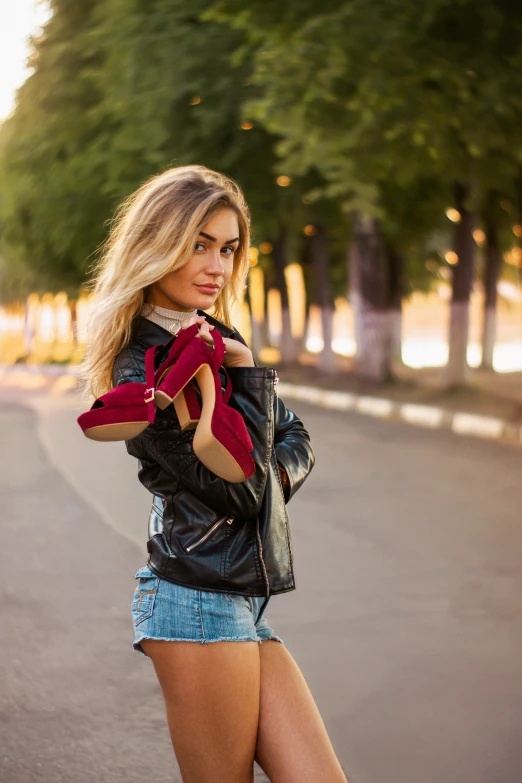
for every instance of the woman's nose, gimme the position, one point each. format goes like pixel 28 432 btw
pixel 215 264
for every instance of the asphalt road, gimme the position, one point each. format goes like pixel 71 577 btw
pixel 406 620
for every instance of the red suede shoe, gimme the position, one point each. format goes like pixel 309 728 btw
pixel 186 403
pixel 221 440
pixel 125 411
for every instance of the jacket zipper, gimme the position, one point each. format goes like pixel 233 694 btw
pixel 265 575
pixel 209 532
pixel 259 544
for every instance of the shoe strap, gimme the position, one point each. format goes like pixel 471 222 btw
pixel 179 341
pixel 228 390
pixel 218 354
pixel 150 381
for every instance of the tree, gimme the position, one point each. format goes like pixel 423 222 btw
pixel 52 210
pixel 428 94
pixel 121 90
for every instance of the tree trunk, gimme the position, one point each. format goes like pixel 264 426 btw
pixel 395 294
pixel 265 332
pixel 491 275
pixel 256 342
pixel 464 247
pixel 74 323
pixel 322 294
pixel 304 260
pixel 354 291
pixel 369 286
pixel 518 214
pixel 289 347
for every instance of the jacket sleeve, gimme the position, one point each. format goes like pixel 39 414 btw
pixel 164 442
pixel 294 452
pixel 292 447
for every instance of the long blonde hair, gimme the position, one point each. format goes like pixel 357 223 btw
pixel 153 233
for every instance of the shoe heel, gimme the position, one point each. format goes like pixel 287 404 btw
pixel 187 407
pixel 181 341
pixel 219 428
pixel 178 375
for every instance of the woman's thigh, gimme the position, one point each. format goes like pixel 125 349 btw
pixel 211 694
pixel 292 744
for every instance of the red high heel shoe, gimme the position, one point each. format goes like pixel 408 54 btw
pixel 186 404
pixel 187 407
pixel 126 410
pixel 221 440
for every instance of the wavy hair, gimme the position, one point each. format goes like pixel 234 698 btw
pixel 153 233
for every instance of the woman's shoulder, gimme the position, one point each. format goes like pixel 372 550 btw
pixel 129 362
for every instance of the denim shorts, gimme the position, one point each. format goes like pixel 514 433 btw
pixel 173 612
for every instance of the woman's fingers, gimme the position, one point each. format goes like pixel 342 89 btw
pixel 194 319
pixel 204 333
pixel 204 327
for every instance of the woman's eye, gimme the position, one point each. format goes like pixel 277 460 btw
pixel 199 244
pixel 228 248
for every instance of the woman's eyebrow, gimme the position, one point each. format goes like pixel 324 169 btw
pixel 213 239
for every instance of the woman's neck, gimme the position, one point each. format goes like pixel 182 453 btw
pixel 169 319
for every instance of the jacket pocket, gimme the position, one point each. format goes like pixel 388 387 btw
pixel 208 533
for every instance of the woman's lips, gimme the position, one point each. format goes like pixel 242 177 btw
pixel 208 289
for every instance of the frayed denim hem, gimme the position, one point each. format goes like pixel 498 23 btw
pixel 137 646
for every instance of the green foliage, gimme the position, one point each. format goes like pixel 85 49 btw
pixel 388 99
pixel 121 90
pixel 52 210
pixel 375 107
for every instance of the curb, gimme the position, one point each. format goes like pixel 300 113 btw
pixel 41 369
pixel 429 416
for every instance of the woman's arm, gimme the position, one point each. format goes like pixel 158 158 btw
pixel 270 425
pixel 294 452
pixel 164 442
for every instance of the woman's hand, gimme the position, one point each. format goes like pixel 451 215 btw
pixel 236 354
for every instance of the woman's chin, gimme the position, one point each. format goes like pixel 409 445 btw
pixel 205 301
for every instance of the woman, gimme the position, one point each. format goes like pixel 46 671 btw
pixel 217 550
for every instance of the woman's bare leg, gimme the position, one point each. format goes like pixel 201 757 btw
pixel 292 744
pixel 211 694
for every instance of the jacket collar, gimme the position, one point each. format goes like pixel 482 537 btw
pixel 150 333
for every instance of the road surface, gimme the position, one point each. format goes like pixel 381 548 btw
pixel 406 620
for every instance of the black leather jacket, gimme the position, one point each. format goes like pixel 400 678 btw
pixel 204 531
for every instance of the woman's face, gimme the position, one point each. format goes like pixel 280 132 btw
pixel 198 283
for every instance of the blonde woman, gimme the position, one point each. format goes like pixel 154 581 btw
pixel 217 550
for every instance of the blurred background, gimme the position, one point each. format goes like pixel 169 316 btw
pixel 379 147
